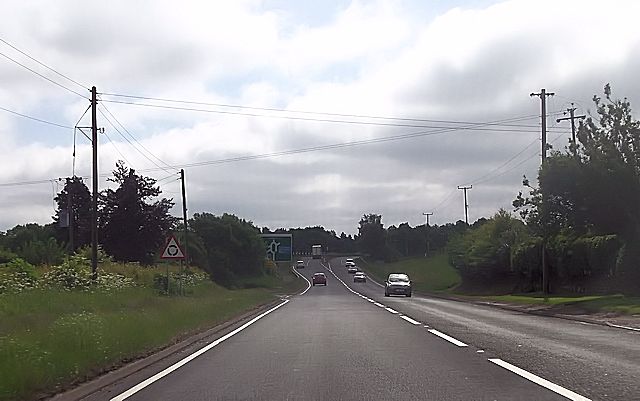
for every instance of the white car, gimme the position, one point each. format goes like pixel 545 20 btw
pixel 352 269
pixel 359 277
pixel 348 262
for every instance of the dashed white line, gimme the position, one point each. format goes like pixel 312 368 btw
pixel 395 312
pixel 379 305
pixel 191 357
pixel 540 381
pixel 408 319
pixel 448 338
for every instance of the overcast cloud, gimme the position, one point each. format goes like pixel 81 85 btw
pixel 464 61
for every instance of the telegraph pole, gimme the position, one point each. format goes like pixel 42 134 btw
pixel 184 216
pixel 545 267
pixel 94 194
pixel 543 100
pixel 427 214
pixel 466 203
pixel 70 216
pixel 572 117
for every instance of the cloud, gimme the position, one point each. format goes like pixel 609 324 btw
pixel 467 64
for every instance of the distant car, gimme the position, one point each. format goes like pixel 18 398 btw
pixel 348 262
pixel 359 277
pixel 300 264
pixel 397 284
pixel 352 269
pixel 319 278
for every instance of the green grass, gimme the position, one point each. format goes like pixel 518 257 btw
pixel 51 338
pixel 591 303
pixel 433 274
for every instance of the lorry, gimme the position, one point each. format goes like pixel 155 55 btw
pixel 316 251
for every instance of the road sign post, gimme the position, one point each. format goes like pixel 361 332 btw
pixel 172 251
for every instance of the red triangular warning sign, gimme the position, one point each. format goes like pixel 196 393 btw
pixel 172 250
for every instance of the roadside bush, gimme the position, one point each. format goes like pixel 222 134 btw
pixel 17 276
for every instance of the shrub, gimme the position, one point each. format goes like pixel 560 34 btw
pixel 17 276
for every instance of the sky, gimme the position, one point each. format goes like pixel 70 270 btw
pixel 303 113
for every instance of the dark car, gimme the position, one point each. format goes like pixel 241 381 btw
pixel 300 264
pixel 397 284
pixel 359 277
pixel 352 269
pixel 319 278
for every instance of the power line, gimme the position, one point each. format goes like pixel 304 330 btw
pixel 363 116
pixel 44 77
pixel 134 138
pixel 131 143
pixel 36 119
pixel 325 120
pixel 484 178
pixel 43 64
pixel 117 150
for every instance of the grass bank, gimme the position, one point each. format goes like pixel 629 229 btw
pixel 51 338
pixel 618 303
pixel 433 274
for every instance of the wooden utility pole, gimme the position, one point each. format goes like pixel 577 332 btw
pixel 466 203
pixel 184 217
pixel 70 217
pixel 427 215
pixel 545 267
pixel 94 194
pixel 543 105
pixel 572 117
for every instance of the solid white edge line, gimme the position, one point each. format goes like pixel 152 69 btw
pixel 408 319
pixel 191 357
pixel 539 380
pixel 305 279
pixel 623 327
pixel 446 337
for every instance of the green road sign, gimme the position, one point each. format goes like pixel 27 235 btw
pixel 278 247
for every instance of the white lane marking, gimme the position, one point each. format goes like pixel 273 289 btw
pixel 448 338
pixel 408 319
pixel 379 305
pixel 539 380
pixel 305 279
pixel 623 327
pixel 191 357
pixel 392 311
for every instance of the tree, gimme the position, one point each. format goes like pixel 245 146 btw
pixel 133 228
pixel 229 247
pixel 593 189
pixel 372 236
pixel 80 202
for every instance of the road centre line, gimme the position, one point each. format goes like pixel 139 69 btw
pixel 395 312
pixel 539 380
pixel 191 357
pixel 379 305
pixel 446 337
pixel 408 319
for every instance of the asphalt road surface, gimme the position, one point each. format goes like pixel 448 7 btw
pixel 346 341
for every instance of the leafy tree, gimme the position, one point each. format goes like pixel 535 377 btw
pixel 228 247
pixel 133 227
pixel 594 188
pixel 486 251
pixel 372 236
pixel 33 243
pixel 80 213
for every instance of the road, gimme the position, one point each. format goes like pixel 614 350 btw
pixel 346 341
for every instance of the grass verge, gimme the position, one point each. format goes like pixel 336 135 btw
pixel 433 274
pixel 618 303
pixel 49 339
